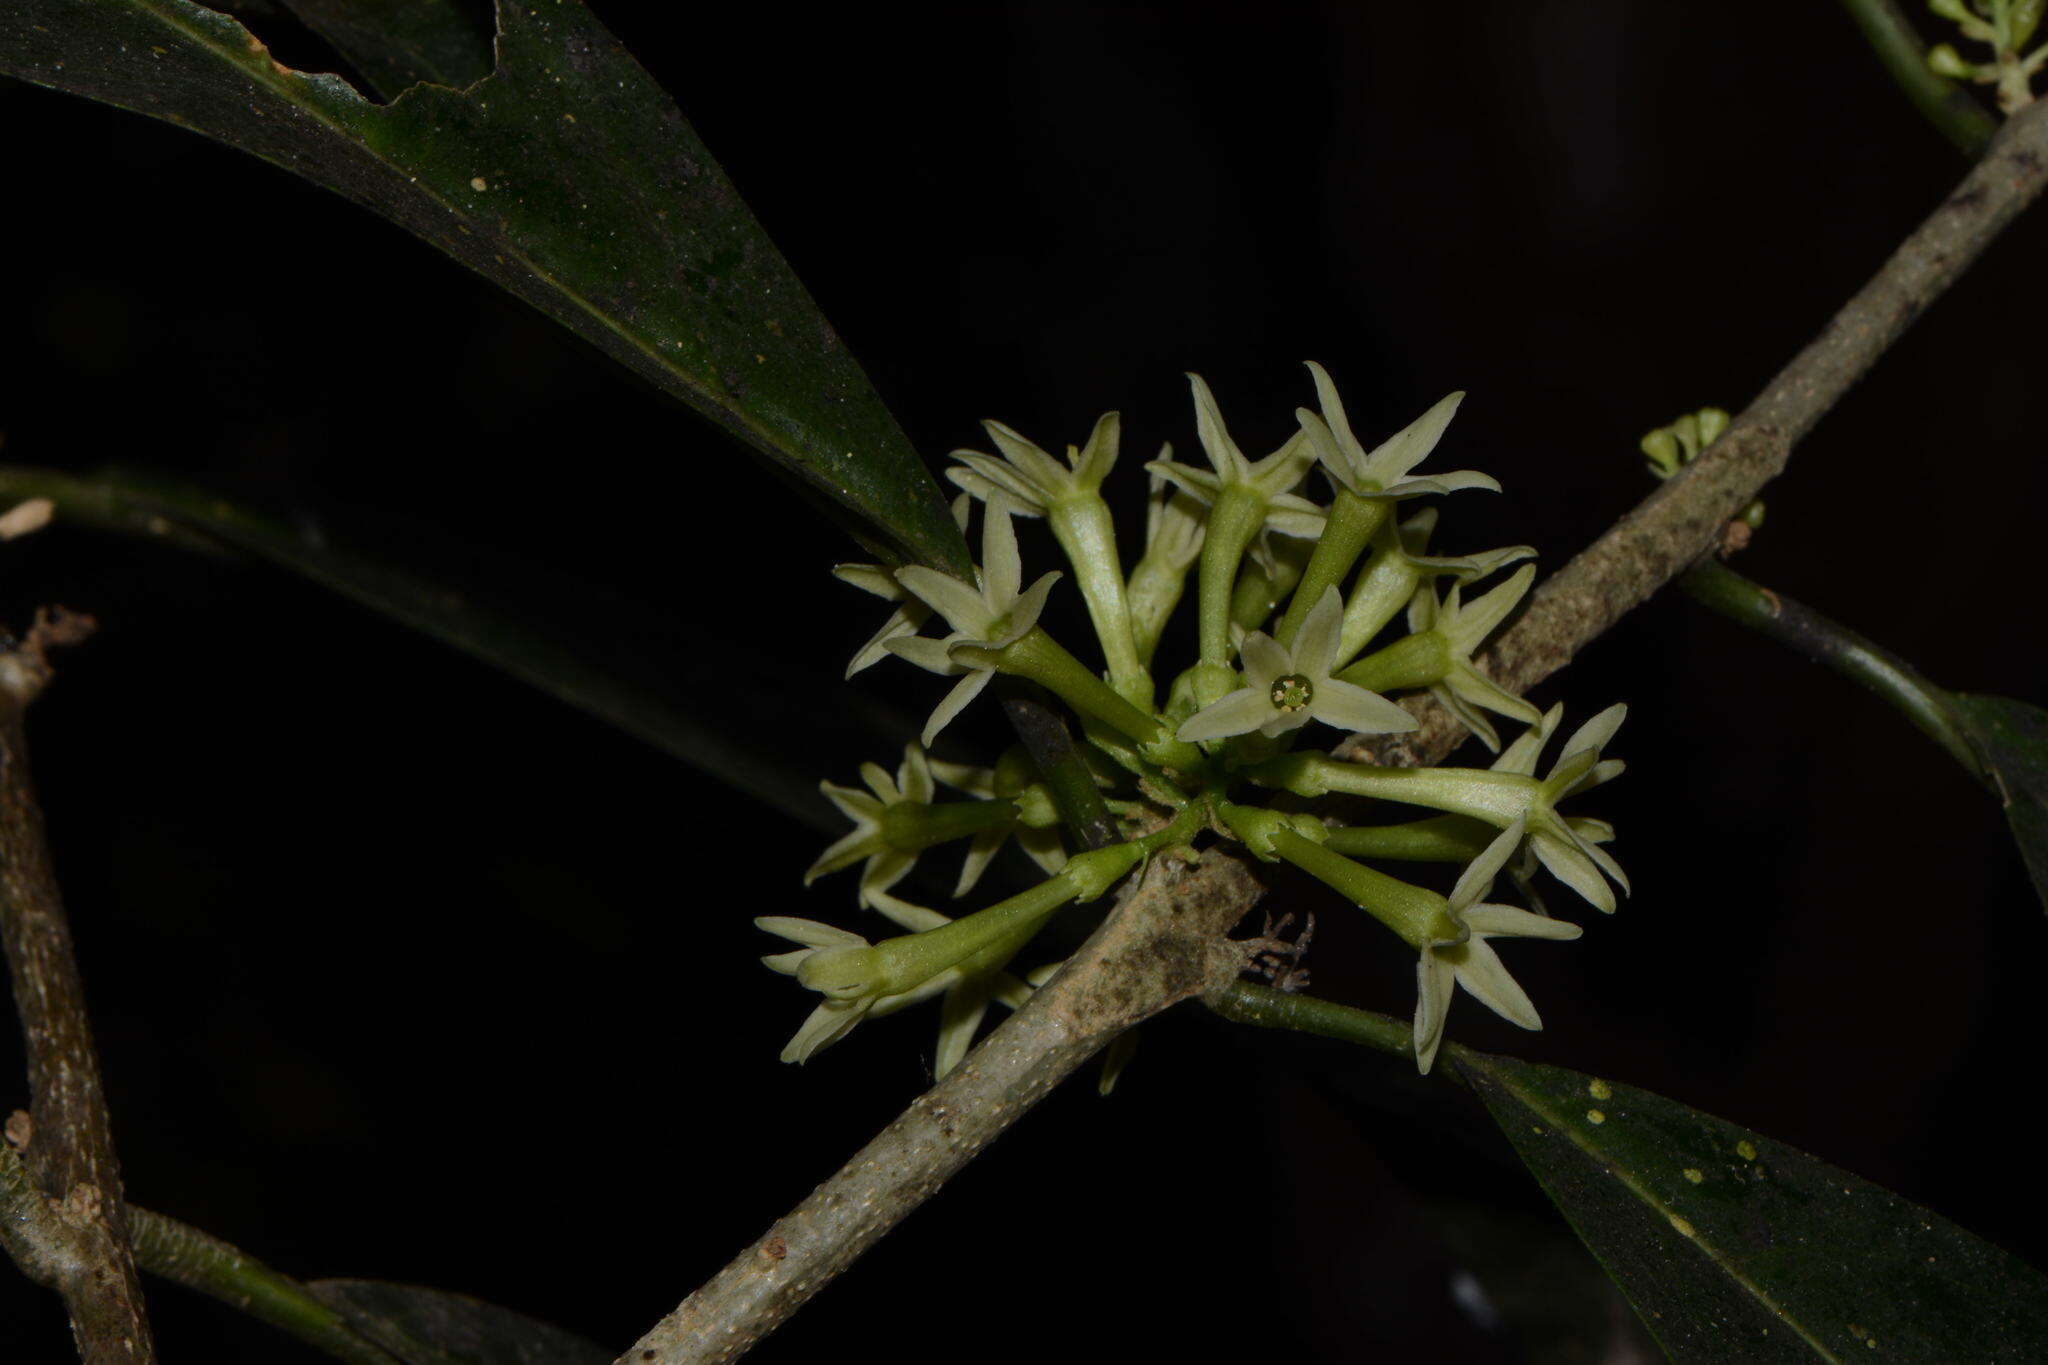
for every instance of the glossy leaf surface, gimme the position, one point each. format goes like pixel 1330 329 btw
pixel 1734 1247
pixel 568 177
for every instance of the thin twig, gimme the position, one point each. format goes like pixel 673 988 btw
pixel 1247 1002
pixel 1682 520
pixel 184 1255
pixel 1949 107
pixel 1135 965
pixel 1834 646
pixel 69 1152
pixel 1161 945
pixel 48 1249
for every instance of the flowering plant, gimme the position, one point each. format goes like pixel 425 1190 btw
pixel 1229 717
pixel 1243 696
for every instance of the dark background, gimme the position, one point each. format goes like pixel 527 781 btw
pixel 404 971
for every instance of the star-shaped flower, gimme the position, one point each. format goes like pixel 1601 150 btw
pixel 834 1018
pixel 1463 627
pixel 1569 847
pixel 1271 479
pixel 1473 963
pixel 1286 688
pixel 969 988
pixel 910 614
pixel 886 865
pixel 1384 471
pixel 1032 479
pixel 990 615
pixel 1399 566
pixel 1034 484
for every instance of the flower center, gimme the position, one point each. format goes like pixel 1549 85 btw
pixel 1291 693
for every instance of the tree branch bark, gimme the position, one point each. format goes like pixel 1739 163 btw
pixel 68 1150
pixel 1163 943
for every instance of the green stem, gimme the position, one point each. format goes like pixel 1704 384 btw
pixel 1246 1002
pixel 1439 839
pixel 904 963
pixel 122 504
pixel 1418 915
pixel 1045 661
pixel 1835 646
pixel 1946 105
pixel 1186 823
pixel 177 1252
pixel 1352 523
pixel 912 826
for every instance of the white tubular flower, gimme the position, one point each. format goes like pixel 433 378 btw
pixel 1286 688
pixel 1473 963
pixel 1508 795
pixel 968 989
pixel 1399 566
pixel 1463 628
pixel 833 1019
pixel 1069 497
pixel 1173 521
pixel 1174 526
pixel 1041 842
pixel 910 614
pixel 1384 471
pixel 1032 479
pixel 990 615
pixel 1271 479
pixel 1570 848
pixel 844 1007
pixel 886 865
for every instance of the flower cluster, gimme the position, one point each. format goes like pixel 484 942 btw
pixel 1305 611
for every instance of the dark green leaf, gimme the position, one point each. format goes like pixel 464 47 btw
pixel 1735 1247
pixel 399 43
pixel 2012 739
pixel 682 703
pixel 454 1326
pixel 568 177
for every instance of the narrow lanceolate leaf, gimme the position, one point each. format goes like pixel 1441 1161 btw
pixel 1735 1247
pixel 452 1327
pixel 2012 739
pixel 568 177
pixel 683 705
